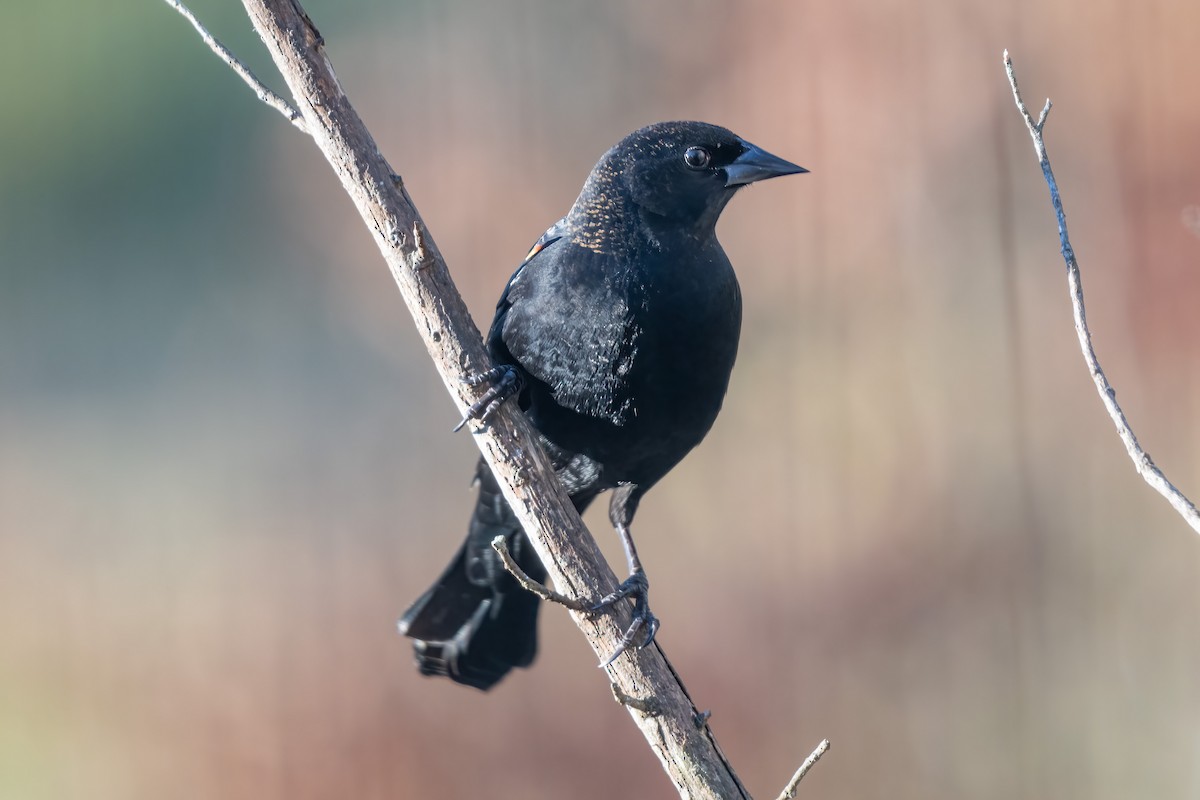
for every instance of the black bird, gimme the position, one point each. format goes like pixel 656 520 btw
pixel 617 334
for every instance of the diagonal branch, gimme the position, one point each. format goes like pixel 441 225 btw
pixel 1141 459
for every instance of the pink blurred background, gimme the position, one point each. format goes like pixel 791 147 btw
pixel 226 465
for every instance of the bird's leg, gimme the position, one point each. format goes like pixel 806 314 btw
pixel 636 586
pixel 504 382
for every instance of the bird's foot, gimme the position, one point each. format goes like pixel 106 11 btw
pixel 504 382
pixel 636 586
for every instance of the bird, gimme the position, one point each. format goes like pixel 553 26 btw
pixel 616 336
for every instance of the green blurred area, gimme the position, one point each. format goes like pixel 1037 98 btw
pixel 226 466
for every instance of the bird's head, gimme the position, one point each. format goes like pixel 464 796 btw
pixel 681 174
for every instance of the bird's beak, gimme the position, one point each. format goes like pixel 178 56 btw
pixel 757 164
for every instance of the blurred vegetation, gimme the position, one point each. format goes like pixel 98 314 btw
pixel 225 464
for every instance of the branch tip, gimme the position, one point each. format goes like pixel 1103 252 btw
pixel 1041 123
pixel 789 791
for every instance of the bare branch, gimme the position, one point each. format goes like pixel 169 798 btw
pixel 529 584
pixel 1141 460
pixel 789 791
pixel 266 95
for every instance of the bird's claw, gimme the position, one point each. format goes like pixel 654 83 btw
pixel 505 382
pixel 643 622
pixel 636 586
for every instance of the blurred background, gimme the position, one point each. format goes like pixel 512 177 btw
pixel 226 464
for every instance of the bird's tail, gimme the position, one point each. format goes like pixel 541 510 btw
pixel 476 622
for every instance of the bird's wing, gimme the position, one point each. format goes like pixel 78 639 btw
pixel 552 235
pixel 565 320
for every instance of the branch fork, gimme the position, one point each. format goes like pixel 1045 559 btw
pixel 1142 462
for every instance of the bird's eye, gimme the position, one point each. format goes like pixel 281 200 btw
pixel 696 157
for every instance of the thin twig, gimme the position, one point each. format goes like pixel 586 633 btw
pixel 529 584
pixel 1141 459
pixel 266 95
pixel 789 791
